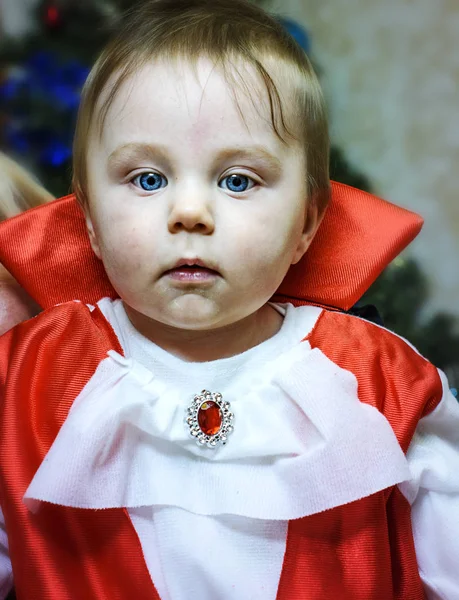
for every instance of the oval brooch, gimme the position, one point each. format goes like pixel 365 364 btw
pixel 209 419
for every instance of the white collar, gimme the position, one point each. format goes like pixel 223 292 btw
pixel 303 443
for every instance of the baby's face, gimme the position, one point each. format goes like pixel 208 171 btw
pixel 196 214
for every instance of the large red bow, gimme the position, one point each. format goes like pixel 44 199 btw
pixel 47 250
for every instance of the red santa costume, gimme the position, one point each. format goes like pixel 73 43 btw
pixel 340 479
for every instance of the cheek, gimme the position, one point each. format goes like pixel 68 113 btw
pixel 268 239
pixel 121 248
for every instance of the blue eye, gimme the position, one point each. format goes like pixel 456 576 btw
pixel 150 182
pixel 236 183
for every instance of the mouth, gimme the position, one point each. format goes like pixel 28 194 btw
pixel 191 270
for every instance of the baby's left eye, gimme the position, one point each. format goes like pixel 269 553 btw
pixel 236 183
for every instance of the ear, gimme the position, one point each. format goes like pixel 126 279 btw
pixel 313 218
pixel 91 232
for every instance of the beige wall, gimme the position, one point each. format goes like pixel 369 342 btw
pixel 391 77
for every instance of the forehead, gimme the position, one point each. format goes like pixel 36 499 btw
pixel 192 100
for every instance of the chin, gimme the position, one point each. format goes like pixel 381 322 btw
pixel 192 322
pixel 194 314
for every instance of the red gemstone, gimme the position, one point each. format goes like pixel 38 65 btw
pixel 210 417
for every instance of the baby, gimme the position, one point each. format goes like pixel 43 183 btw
pixel 192 438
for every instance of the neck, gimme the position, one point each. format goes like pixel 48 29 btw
pixel 213 344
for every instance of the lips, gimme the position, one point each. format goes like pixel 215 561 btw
pixel 191 270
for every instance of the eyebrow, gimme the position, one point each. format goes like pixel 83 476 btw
pixel 250 153
pixel 136 150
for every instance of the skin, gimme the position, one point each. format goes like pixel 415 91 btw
pixel 15 304
pixel 182 126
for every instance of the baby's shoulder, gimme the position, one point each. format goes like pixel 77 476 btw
pixel 342 334
pixel 390 372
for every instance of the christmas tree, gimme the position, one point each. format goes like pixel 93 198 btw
pixel 40 85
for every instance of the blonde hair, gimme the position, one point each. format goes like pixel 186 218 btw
pixel 230 33
pixel 18 189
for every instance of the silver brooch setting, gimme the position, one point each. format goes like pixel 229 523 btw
pixel 209 419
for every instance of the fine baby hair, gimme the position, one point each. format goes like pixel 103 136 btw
pixel 195 413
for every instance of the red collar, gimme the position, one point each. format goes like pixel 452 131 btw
pixel 47 250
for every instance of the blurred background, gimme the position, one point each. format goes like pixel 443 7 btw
pixel 390 72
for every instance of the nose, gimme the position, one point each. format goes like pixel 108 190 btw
pixel 191 211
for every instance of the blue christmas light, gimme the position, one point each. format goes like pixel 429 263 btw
pixel 65 96
pixel 56 153
pixel 298 33
pixel 74 73
pixel 41 61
